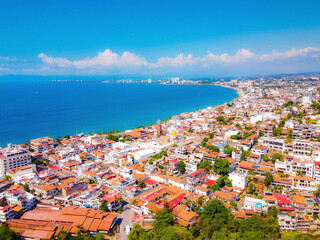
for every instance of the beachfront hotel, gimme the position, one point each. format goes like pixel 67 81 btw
pixel 13 157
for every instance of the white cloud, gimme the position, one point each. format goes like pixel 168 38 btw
pixel 3 58
pixel 4 69
pixel 108 60
pixel 304 52
pixel 178 61
pixel 242 55
pixel 60 62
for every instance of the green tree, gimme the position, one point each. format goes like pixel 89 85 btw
pixel 268 179
pixel 79 229
pixel 213 148
pixel 6 233
pixel 58 141
pixel 64 235
pixel 276 132
pixel 251 188
pixel 267 229
pixel 221 119
pixel 228 182
pixel 141 184
pixel 317 192
pixel 8 177
pixel 221 166
pixel 236 137
pixel 204 142
pixel 245 154
pixel 228 150
pixel 26 187
pixel 276 156
pixel 182 167
pixel 211 135
pixel 119 201
pixel 215 220
pixel 99 236
pixel 195 229
pixel 265 158
pixel 290 132
pixel 92 181
pixel 206 164
pixel 103 206
pixel 215 187
pixel 137 233
pixel 163 219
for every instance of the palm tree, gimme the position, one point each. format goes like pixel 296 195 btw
pixel 135 203
pixel 200 201
pixel 79 229
pixel 119 201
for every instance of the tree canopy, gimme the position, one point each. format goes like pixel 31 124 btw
pixel 269 179
pixel 206 164
pixel 6 233
pixel 221 166
pixel 182 167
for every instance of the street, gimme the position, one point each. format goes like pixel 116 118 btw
pixel 125 219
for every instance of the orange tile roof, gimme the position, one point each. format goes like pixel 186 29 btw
pixel 224 195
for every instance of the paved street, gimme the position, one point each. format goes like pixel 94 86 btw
pixel 125 219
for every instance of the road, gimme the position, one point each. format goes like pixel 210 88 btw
pixel 126 219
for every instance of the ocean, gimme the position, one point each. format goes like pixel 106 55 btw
pixel 32 107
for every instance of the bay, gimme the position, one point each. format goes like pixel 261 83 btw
pixel 42 107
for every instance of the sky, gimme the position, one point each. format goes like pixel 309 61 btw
pixel 156 37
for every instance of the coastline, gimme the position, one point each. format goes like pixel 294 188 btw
pixel 129 126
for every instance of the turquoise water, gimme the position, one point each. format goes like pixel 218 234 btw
pixel 31 108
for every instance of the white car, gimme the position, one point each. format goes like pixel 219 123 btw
pixel 128 229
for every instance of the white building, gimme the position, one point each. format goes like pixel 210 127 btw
pixel 238 179
pixel 256 118
pixel 271 142
pixel 159 178
pixel 292 165
pixel 28 172
pixel 258 205
pixel 191 166
pixel 302 147
pixel 40 145
pixel 259 150
pixel 178 182
pixel 136 156
pixel 13 157
pixel 307 98
pixel 18 202
pixel 287 222
pixel 304 183
pixel 316 175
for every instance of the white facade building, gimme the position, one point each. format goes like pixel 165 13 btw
pixel 238 179
pixel 13 157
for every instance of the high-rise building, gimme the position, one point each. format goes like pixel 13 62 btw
pixel 307 98
pixel 13 157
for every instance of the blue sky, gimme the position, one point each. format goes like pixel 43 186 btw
pixel 157 37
